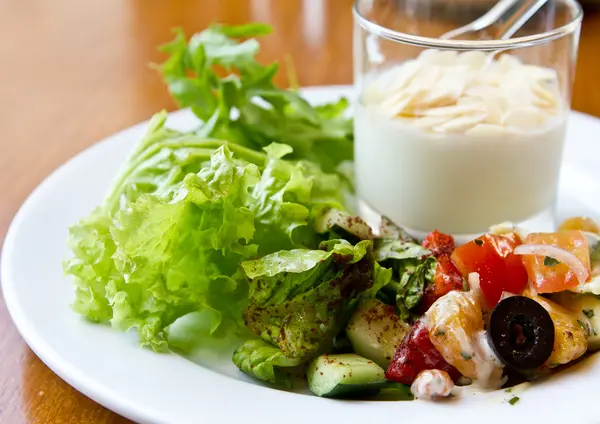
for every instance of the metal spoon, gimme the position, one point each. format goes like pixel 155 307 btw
pixel 521 15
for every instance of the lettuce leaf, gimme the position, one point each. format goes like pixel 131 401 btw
pixel 181 215
pixel 264 361
pixel 246 107
pixel 300 299
pixel 288 200
pixel 186 208
pixel 174 255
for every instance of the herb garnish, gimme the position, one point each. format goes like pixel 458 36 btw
pixel 588 313
pixel 479 242
pixel 548 261
pixel 581 324
pixel 466 356
pixel 514 400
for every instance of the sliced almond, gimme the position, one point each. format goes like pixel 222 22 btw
pixel 527 118
pixel 539 73
pixel 429 122
pixel 453 111
pixel 472 59
pixel 449 87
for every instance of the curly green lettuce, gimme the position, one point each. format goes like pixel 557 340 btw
pixel 186 208
pixel 169 256
pixel 181 215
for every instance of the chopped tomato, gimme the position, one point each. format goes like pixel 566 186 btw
pixel 552 276
pixel 499 269
pixel 439 243
pixel 447 278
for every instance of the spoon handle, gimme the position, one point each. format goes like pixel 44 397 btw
pixel 489 18
pixel 524 12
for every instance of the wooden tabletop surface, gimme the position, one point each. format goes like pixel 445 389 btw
pixel 73 72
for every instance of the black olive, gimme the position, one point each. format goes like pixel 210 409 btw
pixel 521 333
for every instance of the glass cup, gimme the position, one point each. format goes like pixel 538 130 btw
pixel 460 134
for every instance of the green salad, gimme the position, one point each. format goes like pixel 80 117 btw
pixel 242 229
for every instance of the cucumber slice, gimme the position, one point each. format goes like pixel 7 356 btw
pixel 375 331
pixel 344 225
pixel 344 375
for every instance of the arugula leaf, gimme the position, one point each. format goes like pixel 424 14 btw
pixel 246 107
pixel 413 269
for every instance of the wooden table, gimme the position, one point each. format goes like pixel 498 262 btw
pixel 73 72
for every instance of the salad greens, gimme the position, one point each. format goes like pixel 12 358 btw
pixel 234 230
pixel 413 269
pixel 300 299
pixel 246 107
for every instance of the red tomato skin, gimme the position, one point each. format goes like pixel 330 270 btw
pixel 415 354
pixel 499 269
pixel 559 277
pixel 439 243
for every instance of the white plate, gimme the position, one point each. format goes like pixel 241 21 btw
pixel 110 368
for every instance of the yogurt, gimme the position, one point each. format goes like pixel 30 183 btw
pixel 459 141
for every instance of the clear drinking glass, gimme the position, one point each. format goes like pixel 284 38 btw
pixel 460 134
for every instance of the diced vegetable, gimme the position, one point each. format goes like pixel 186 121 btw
pixel 580 223
pixel 375 331
pixel 438 243
pixel 447 278
pixel 344 375
pixel 592 286
pixel 455 324
pixel 521 333
pixel 570 339
pixel 550 275
pixel 415 354
pixel 389 230
pixel 343 225
pixel 587 309
pixel 491 256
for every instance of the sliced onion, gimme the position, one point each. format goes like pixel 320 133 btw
pixel 561 255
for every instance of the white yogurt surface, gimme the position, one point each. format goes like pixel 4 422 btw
pixel 459 142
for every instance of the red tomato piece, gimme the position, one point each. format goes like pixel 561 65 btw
pixel 447 278
pixel 499 269
pixel 415 354
pixel 439 243
pixel 556 277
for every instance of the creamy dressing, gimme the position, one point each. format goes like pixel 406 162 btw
pixel 431 385
pixel 477 359
pixel 459 142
